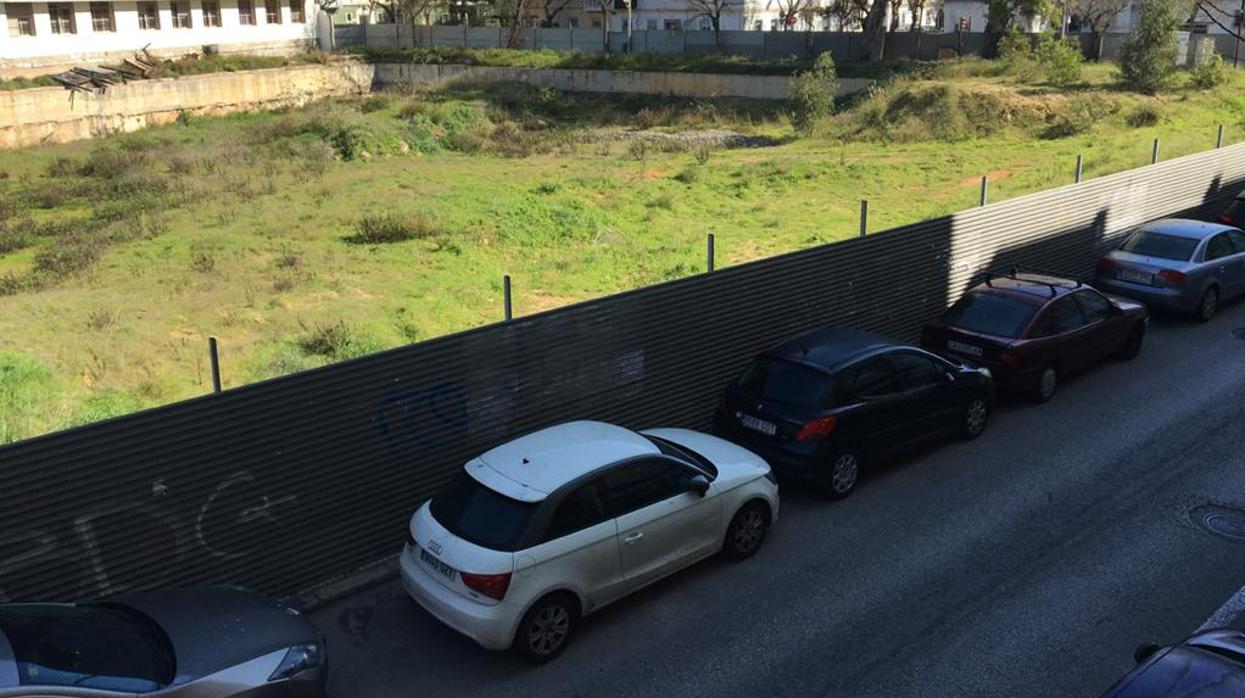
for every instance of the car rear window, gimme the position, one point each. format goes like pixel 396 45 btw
pixel 769 378
pixel 106 647
pixel 990 313
pixel 1151 244
pixel 482 516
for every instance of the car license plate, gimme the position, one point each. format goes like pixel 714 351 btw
pixel 440 567
pixel 1139 277
pixel 963 348
pixel 767 428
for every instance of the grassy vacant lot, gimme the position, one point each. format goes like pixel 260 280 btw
pixel 309 236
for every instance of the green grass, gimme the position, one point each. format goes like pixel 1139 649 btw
pixel 247 227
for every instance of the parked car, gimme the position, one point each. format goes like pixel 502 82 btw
pixel 1208 665
pixel 207 643
pixel 1031 329
pixel 1180 265
pixel 822 405
pixel 1235 215
pixel 542 531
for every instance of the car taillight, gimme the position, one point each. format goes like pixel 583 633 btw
pixel 1172 276
pixel 817 429
pixel 1225 219
pixel 1106 265
pixel 1009 359
pixel 493 586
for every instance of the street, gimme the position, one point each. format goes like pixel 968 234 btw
pixel 1028 563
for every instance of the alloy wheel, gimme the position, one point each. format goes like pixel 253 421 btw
pixel 549 630
pixel 1210 304
pixel 748 531
pixel 843 475
pixel 975 419
pixel 1048 383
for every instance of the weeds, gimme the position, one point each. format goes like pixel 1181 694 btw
pixel 391 227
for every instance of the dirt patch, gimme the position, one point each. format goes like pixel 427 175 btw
pixel 994 176
pixel 541 301
pixel 713 138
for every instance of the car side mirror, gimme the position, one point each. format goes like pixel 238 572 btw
pixel 698 484
pixel 1144 652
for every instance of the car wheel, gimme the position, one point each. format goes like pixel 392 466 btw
pixel 1132 345
pixel 1046 386
pixel 746 532
pixel 842 470
pixel 1209 305
pixel 546 628
pixel 976 416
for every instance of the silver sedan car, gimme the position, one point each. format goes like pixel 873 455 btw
pixel 208 643
pixel 1181 265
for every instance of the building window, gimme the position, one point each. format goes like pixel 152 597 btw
pixel 60 14
pixel 651 25
pixel 296 12
pixel 272 11
pixel 21 18
pixel 181 14
pixel 101 17
pixel 674 25
pixel 148 15
pixel 211 13
pixel 705 24
pixel 246 13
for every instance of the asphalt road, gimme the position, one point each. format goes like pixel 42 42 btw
pixel 1028 563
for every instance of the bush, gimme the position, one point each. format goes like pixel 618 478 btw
pixel 374 103
pixel 106 163
pixel 1145 115
pixel 1148 57
pixel 1079 116
pixel 391 227
pixel 335 341
pixel 14 238
pixel 1060 59
pixel 812 94
pixel 75 254
pixel 1210 73
pixel 1017 56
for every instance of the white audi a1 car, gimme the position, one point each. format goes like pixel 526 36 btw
pixel 539 532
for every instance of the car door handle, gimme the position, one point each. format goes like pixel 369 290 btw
pixel 633 538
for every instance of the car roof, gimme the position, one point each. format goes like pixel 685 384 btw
pixel 531 467
pixel 1185 228
pixel 1036 288
pixel 830 347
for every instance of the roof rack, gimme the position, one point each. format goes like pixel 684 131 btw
pixel 1016 269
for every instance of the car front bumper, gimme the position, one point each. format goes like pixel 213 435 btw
pixel 491 626
pixel 1176 299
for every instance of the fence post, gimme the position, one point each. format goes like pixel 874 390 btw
pixel 1154 156
pixel 709 254
pixel 1080 167
pixel 505 296
pixel 985 189
pixel 864 217
pixel 214 355
pixel 1219 140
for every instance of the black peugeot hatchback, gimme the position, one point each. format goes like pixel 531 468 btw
pixel 820 405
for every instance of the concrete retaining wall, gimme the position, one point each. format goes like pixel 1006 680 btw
pixel 55 115
pixel 700 85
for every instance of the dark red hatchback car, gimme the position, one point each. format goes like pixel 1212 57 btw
pixel 1031 329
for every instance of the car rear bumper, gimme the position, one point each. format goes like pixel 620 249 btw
pixel 1176 299
pixel 801 464
pixel 491 626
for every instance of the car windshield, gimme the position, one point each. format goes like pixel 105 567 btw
pixel 479 515
pixel 684 454
pixel 769 378
pixel 1151 244
pixel 102 646
pixel 990 313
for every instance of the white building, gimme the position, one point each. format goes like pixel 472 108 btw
pixel 973 14
pixel 42 36
pixel 758 15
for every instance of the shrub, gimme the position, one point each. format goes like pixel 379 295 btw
pixel 1078 116
pixel 75 254
pixel 373 104
pixel 1060 59
pixel 335 341
pixel 63 167
pixel 811 98
pixel 202 260
pixel 391 227
pixel 289 258
pixel 106 163
pixel 1148 57
pixel 1144 115
pixel 1017 56
pixel 14 238
pixel 1210 73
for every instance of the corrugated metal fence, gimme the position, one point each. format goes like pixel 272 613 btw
pixel 283 484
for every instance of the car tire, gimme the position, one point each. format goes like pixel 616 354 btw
pixel 1209 305
pixel 546 628
pixel 1046 385
pixel 975 417
pixel 746 531
pixel 1132 344
pixel 841 473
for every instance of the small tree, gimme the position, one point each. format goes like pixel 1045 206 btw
pixel 1001 18
pixel 1098 15
pixel 1060 59
pixel 812 94
pixel 714 9
pixel 1148 58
